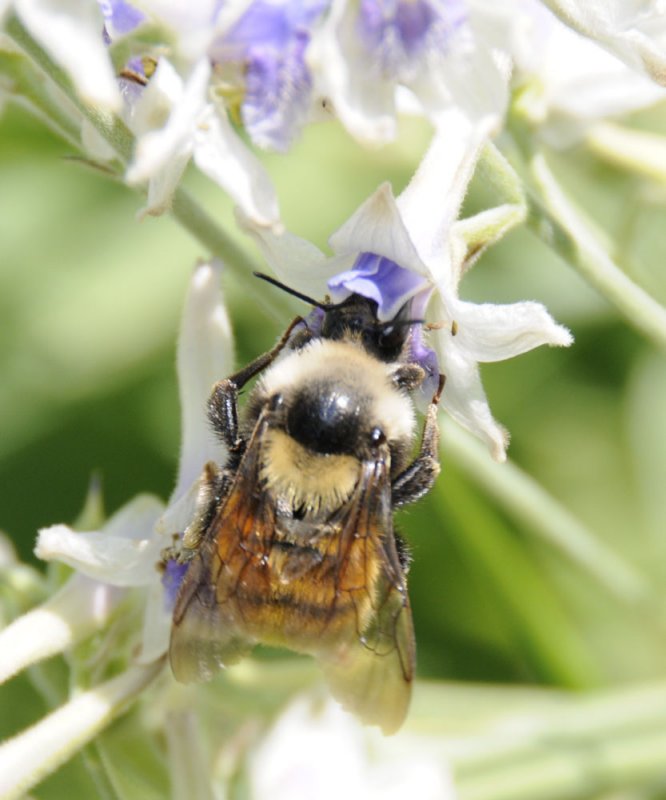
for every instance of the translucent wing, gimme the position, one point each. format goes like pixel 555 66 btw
pixel 208 631
pixel 371 667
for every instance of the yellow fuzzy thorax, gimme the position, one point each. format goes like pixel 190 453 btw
pixel 317 483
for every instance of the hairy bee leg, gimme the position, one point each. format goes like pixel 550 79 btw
pixel 211 484
pixel 223 401
pixel 417 479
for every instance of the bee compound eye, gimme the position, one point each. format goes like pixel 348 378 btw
pixel 377 437
pixel 275 402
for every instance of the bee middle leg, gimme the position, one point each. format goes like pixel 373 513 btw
pixel 417 479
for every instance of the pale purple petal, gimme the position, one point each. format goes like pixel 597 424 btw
pixel 120 17
pixel 379 279
pixel 172 577
pixel 270 41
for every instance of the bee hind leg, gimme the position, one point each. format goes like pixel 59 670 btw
pixel 417 479
pixel 212 486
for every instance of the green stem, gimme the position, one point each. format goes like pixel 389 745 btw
pixel 113 130
pixel 641 152
pixel 592 743
pixel 524 498
pixel 556 219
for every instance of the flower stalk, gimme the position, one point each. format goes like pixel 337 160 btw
pixel 29 757
pixel 524 498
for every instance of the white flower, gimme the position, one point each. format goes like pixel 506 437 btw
pixel 71 33
pixel 369 53
pixel 569 81
pixel 635 31
pixel 316 750
pixel 413 247
pixel 121 557
pixel 176 121
pixel 118 555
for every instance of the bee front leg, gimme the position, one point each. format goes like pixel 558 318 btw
pixel 415 481
pixel 223 402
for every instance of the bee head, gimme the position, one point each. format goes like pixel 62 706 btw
pixel 355 319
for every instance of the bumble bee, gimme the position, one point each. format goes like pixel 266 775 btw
pixel 292 543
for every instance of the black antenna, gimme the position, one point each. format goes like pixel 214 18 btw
pixel 300 295
pixel 293 292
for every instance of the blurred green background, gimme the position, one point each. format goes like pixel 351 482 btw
pixel 90 300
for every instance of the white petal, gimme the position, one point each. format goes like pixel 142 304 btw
pixel 124 553
pixel 205 355
pixel 7 552
pixel 463 397
pixel 432 200
pixel 488 332
pixel 467 77
pixel 71 32
pixel 363 101
pixel 80 607
pixel 222 155
pixel 635 31
pixel 28 758
pixel 378 227
pixel 94 144
pixel 295 261
pixel 156 149
pixel 156 626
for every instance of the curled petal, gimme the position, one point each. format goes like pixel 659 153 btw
pixel 124 553
pixel 463 397
pixel 166 115
pixel 156 625
pixel 488 332
pixel 205 355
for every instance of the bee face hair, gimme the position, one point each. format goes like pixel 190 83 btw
pixel 335 396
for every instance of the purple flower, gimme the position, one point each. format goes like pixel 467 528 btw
pixel 271 40
pixel 120 17
pixel 399 33
pixel 379 279
pixel 172 577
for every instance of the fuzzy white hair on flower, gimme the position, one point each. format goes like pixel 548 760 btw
pixel 414 248
pixel 635 32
